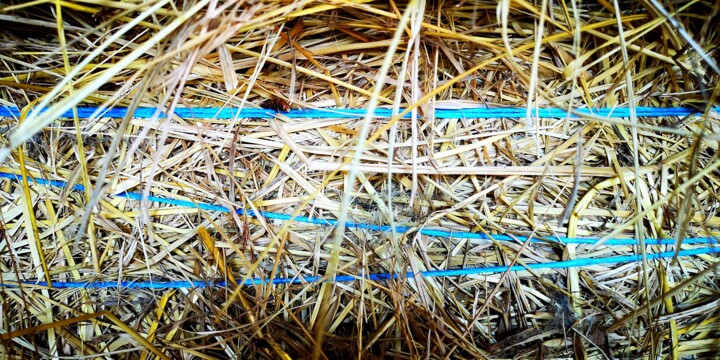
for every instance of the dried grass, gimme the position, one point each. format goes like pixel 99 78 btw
pixel 637 177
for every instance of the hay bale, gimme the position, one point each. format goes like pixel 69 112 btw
pixel 92 266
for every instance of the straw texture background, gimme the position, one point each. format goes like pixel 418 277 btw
pixel 649 177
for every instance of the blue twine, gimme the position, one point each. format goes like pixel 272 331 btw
pixel 371 227
pixel 476 113
pixel 369 277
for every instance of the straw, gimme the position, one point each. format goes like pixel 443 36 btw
pixel 219 142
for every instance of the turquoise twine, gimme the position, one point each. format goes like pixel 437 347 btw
pixel 369 277
pixel 366 226
pixel 479 113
